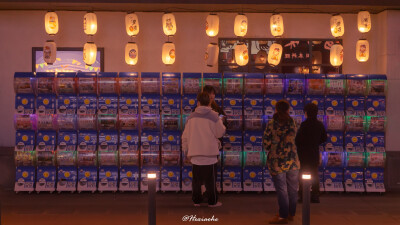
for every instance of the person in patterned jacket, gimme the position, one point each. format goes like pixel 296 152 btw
pixel 283 161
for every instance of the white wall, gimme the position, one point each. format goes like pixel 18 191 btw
pixel 22 30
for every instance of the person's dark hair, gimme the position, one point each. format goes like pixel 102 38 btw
pixel 312 110
pixel 203 98
pixel 209 89
pixel 282 115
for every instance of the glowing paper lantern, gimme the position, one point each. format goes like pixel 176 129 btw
pixel 169 24
pixel 51 23
pixel 240 27
pixel 212 25
pixel 168 53
pixel 261 58
pixel 336 55
pixel 132 24
pixel 364 21
pixel 276 24
pixel 337 26
pixel 275 54
pixel 49 52
pixel 131 53
pixel 362 50
pixel 241 54
pixel 89 53
pixel 90 24
pixel 211 55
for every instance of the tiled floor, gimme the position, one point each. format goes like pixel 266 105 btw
pixel 245 208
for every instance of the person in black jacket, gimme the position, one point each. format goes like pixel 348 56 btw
pixel 310 135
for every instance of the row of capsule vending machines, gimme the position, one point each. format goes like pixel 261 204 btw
pixel 105 131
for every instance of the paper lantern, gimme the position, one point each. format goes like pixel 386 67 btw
pixel 337 26
pixel 364 21
pixel 241 54
pixel 336 55
pixel 211 55
pixel 275 54
pixel 131 53
pixel 212 25
pixel 362 50
pixel 168 53
pixel 240 27
pixel 90 24
pixel 261 58
pixel 169 24
pixel 276 24
pixel 51 23
pixel 49 52
pixel 132 24
pixel 89 53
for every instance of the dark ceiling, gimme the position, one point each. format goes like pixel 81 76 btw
pixel 248 6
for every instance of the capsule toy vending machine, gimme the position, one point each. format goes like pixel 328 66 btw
pixel 87 101
pixel 87 161
pixel 171 160
pixel 232 161
pixel 354 172
pixel 315 90
pixel 108 160
pixel 187 174
pixel 375 136
pixel 191 84
pixel 25 136
pixel 171 102
pixel 150 157
pixel 233 101
pixel 128 107
pixel 67 172
pixel 273 92
pixel 375 171
pixel 24 156
pixel 294 92
pixel 45 160
pixel 253 161
pixel 253 101
pixel 333 173
pixel 67 101
pixel 129 170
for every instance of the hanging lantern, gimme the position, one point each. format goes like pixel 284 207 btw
pixel 337 26
pixel 51 23
pixel 362 50
pixel 241 54
pixel 168 53
pixel 90 23
pixel 336 55
pixel 261 58
pixel 89 53
pixel 49 52
pixel 211 55
pixel 169 24
pixel 275 54
pixel 131 53
pixel 132 24
pixel 240 27
pixel 276 23
pixel 212 25
pixel 364 21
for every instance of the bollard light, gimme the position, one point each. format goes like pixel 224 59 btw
pixel 306 177
pixel 152 198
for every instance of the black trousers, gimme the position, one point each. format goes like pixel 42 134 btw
pixel 313 170
pixel 206 174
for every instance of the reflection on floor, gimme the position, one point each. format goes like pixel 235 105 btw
pixel 246 208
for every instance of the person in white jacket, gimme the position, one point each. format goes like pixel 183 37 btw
pixel 201 145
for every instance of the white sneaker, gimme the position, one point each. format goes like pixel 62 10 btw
pixel 196 205
pixel 218 204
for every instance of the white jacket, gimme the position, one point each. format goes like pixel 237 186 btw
pixel 202 130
